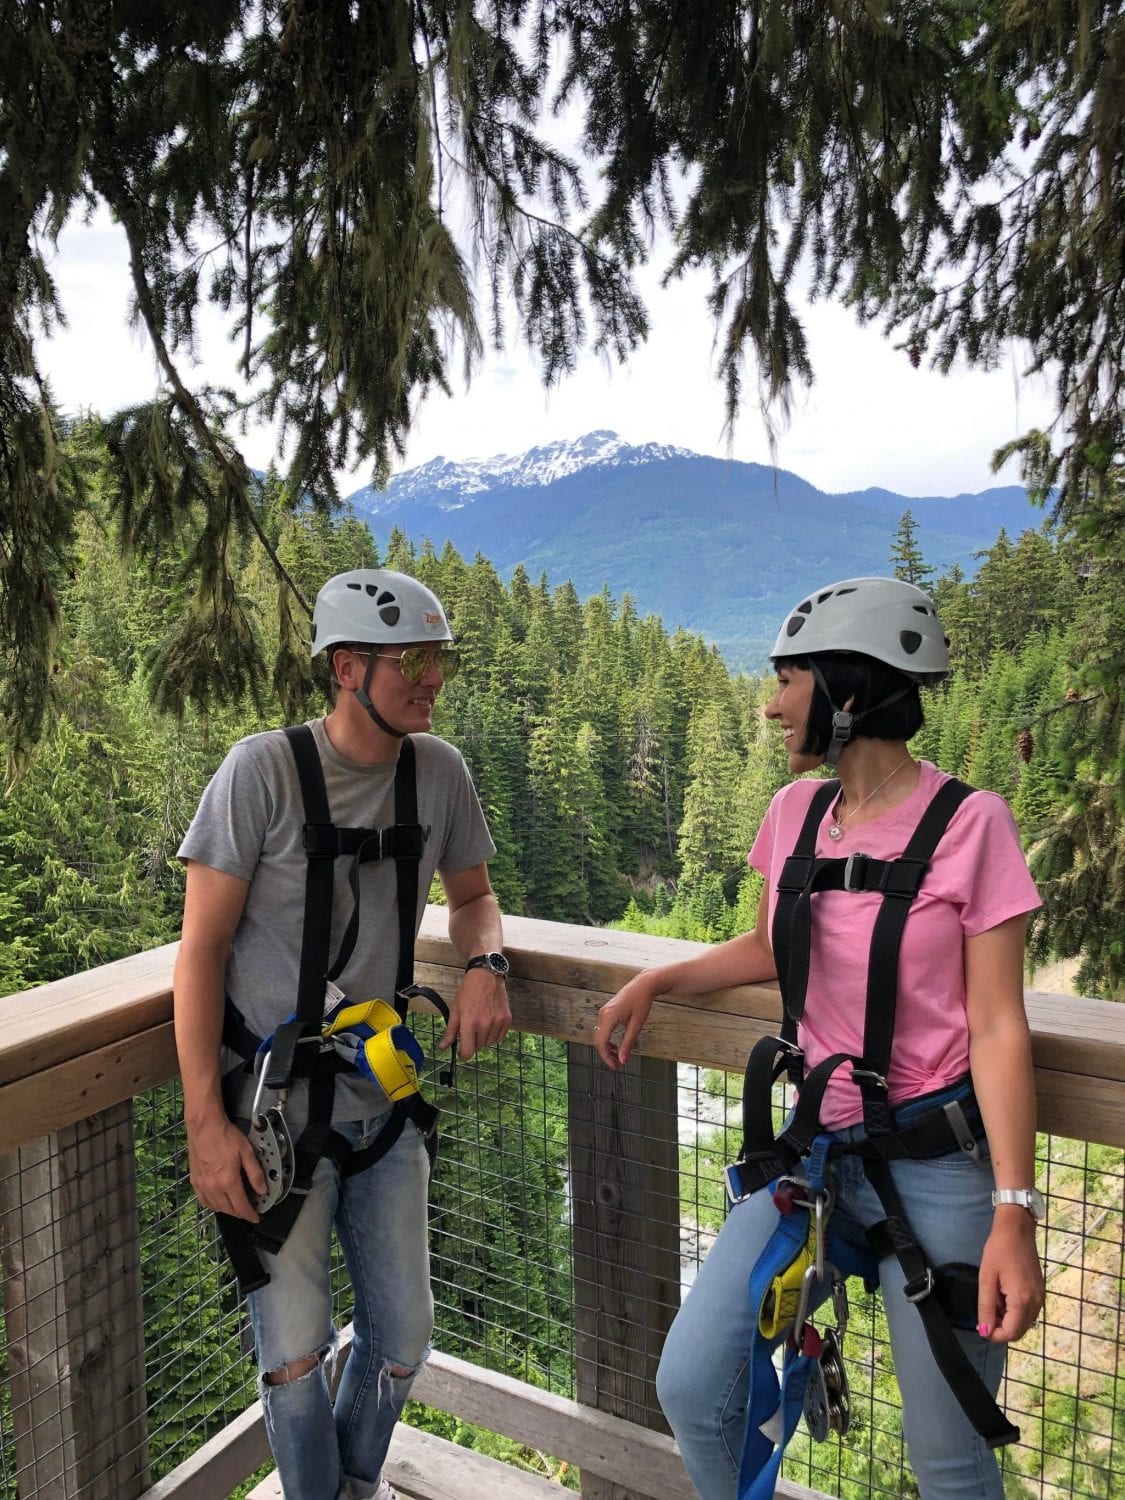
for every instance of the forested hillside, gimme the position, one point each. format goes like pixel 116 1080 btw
pixel 624 768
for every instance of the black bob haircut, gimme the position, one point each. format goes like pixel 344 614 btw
pixel 866 681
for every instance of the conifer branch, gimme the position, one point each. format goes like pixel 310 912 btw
pixel 185 399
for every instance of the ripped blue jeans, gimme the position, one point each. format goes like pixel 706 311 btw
pixel 325 1449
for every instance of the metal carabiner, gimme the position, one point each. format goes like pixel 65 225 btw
pixel 820 1215
pixel 840 1302
pixel 282 1094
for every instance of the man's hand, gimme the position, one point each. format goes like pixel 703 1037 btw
pixel 480 1014
pixel 221 1162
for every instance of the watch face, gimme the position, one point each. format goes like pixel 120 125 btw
pixel 496 962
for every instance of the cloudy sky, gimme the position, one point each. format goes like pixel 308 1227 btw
pixel 869 419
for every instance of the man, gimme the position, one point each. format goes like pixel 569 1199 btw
pixel 388 645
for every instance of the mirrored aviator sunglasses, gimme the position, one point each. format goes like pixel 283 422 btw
pixel 415 661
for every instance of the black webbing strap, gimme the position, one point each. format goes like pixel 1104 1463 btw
pixel 895 1237
pixel 764 1156
pixel 238 1241
pixel 790 934
pixel 324 843
pixel 406 871
pixel 316 933
pixel 886 941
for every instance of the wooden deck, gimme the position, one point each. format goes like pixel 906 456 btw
pixel 74 1054
pixel 422 1466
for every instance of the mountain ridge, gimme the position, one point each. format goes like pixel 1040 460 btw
pixel 714 544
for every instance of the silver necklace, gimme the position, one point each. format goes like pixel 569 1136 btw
pixel 836 828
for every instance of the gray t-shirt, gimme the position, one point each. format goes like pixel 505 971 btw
pixel 249 824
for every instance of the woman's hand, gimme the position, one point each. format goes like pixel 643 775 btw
pixel 628 1008
pixel 1011 1277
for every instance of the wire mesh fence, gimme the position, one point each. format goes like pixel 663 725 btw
pixel 125 1347
pixel 1065 1382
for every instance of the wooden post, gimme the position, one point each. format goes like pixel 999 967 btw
pixel 624 1159
pixel 70 1246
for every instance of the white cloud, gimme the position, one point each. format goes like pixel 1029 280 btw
pixel 869 419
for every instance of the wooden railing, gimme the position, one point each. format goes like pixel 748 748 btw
pixel 75 1053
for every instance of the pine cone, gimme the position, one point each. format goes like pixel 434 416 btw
pixel 915 355
pixel 1025 745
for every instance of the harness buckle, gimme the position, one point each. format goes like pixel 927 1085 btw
pixel 854 863
pixel 868 1077
pixel 961 1130
pixel 732 1182
pixel 918 1288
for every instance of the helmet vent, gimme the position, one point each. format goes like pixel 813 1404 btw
pixel 389 614
pixel 384 598
pixel 794 625
pixel 842 592
pixel 820 598
pixel 910 640
pixel 357 586
pixel 806 608
pixel 920 609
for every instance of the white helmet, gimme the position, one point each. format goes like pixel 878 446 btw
pixel 374 606
pixel 886 618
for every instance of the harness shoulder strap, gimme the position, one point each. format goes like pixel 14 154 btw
pixel 406 872
pixel 317 930
pixel 886 941
pixel 789 935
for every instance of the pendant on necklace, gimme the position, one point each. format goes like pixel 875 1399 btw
pixel 835 833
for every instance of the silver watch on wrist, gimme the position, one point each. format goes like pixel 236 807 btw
pixel 496 963
pixel 1029 1198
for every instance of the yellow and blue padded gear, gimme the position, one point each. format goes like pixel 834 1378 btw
pixel 386 1051
pixel 782 1295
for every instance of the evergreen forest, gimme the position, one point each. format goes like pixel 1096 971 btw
pixel 624 770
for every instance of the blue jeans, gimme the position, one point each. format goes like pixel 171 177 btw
pixel 703 1381
pixel 326 1450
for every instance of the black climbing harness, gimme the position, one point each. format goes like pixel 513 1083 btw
pixel 314 1046
pixel 945 1296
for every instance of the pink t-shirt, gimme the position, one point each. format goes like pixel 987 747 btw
pixel 977 879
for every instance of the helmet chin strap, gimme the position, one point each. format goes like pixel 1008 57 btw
pixel 843 722
pixel 373 713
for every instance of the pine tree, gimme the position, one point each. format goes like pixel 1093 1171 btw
pixel 906 555
pixel 295 166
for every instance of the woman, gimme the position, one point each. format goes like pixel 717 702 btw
pixel 957 1029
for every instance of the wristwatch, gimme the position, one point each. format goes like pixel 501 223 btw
pixel 1029 1198
pixel 496 962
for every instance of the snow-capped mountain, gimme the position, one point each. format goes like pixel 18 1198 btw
pixel 723 548
pixel 457 481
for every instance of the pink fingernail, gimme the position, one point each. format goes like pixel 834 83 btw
pixel 624 1058
pixel 984 1329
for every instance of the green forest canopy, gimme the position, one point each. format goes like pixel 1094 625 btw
pixel 624 770
pixel 952 170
